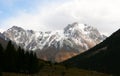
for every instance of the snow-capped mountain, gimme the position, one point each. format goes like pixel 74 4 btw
pixel 56 45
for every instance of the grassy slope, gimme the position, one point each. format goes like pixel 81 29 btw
pixel 58 70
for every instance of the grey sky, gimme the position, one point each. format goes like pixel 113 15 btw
pixel 102 14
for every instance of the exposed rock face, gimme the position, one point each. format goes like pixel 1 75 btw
pixel 104 57
pixel 3 40
pixel 56 45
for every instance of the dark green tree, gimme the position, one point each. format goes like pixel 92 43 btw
pixel 1 57
pixel 35 65
pixel 20 59
pixel 26 62
pixel 10 57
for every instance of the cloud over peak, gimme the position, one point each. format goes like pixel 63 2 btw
pixel 102 14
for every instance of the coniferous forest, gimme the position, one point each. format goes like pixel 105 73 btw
pixel 18 60
pixel 14 62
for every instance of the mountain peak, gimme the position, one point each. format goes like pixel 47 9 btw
pixel 76 25
pixel 16 28
pixel 81 29
pixel 74 39
pixel 79 26
pixel 103 58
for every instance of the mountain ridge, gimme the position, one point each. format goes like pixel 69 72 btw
pixel 74 39
pixel 104 57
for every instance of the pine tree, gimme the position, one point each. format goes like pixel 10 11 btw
pixel 19 61
pixel 1 57
pixel 26 62
pixel 36 64
pixel 10 57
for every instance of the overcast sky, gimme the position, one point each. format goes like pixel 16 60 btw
pixel 43 15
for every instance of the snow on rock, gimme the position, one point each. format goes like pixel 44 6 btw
pixel 75 38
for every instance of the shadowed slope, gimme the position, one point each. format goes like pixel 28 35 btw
pixel 104 57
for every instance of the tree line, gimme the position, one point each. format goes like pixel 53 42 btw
pixel 18 60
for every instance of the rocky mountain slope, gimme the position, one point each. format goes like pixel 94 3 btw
pixel 56 45
pixel 104 57
pixel 3 40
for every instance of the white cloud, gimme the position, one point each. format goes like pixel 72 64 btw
pixel 102 14
pixel 1 30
